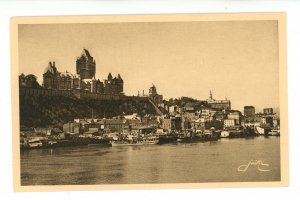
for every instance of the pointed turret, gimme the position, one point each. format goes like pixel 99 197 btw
pixel 109 77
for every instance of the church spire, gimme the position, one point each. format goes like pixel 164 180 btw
pixel 210 95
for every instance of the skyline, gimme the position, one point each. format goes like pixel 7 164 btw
pixel 247 52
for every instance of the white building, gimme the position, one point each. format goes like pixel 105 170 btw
pixel 229 122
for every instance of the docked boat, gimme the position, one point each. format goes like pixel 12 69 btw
pixel 167 139
pixel 259 130
pixel 187 139
pixel 249 132
pixel 150 140
pixel 208 135
pixel 224 134
pixel 143 141
pixel 274 132
pixel 34 143
pixel 262 130
pixel 125 143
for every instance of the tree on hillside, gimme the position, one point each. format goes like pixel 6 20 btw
pixel 31 81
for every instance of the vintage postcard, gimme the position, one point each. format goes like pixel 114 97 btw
pixel 149 101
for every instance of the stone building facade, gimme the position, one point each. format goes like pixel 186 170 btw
pixel 84 79
pixel 218 104
pixel 156 98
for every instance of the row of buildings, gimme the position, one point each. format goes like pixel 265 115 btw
pixel 187 116
pixel 183 117
pixel 217 114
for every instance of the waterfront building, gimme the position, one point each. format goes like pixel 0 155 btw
pixel 42 131
pixel 268 111
pixel 151 121
pixel 186 123
pixel 220 116
pixel 229 122
pixel 267 121
pixel 236 115
pixel 166 124
pixel 198 124
pixel 276 123
pixel 71 127
pixel 249 111
pixel 115 125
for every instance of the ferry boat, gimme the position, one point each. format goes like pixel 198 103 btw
pixel 208 135
pixel 125 143
pixel 236 133
pixel 167 139
pixel 144 141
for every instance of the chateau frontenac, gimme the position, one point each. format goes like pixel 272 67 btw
pixel 84 79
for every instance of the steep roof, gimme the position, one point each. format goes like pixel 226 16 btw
pixel 109 77
pixel 51 68
pixel 86 53
pixel 119 77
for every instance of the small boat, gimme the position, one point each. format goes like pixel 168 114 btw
pixel 274 132
pixel 34 143
pixel 259 130
pixel 224 134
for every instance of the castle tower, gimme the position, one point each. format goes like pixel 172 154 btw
pixel 50 77
pixel 156 98
pixel 86 65
pixel 152 90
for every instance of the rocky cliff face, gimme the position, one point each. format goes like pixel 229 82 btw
pixel 43 111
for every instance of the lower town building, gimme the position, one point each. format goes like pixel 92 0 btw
pixel 229 122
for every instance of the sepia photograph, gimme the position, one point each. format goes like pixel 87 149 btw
pixel 149 101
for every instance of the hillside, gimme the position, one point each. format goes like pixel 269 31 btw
pixel 43 111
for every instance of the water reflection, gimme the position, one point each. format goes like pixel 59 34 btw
pixel 168 163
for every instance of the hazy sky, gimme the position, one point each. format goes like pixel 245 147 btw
pixel 237 60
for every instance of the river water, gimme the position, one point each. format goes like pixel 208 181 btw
pixel 216 161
